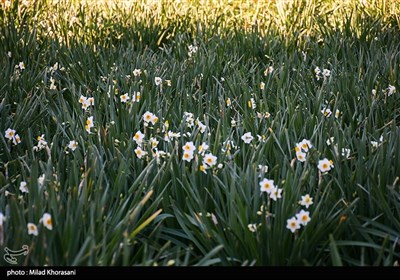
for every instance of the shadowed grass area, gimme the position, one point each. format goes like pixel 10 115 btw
pixel 206 73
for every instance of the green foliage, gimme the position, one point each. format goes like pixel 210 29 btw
pixel 110 207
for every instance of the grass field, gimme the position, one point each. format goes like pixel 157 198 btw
pixel 200 132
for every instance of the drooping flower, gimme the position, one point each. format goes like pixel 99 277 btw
pixel 262 85
pixel 303 217
pixel 324 165
pixel 136 96
pixel 252 103
pixel 252 227
pixel 390 90
pixel 138 137
pixel 47 221
pixel 305 145
pixel 89 124
pixel 23 188
pixel 202 148
pixel 202 127
pixel 42 143
pixel 293 224
pixel 32 229
pixel 269 70
pixel 327 112
pixel 41 180
pixel 346 152
pixel 306 200
pixel 267 185
pixel 157 81
pixel 337 113
pixel 247 137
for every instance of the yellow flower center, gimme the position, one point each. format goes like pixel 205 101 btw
pixel 325 166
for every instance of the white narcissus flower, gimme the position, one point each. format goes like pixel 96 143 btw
pixel 137 72
pixel 202 148
pixel 301 156
pixel 189 147
pixel 124 98
pixel 303 217
pixel 140 153
pixel 187 155
pixel 327 112
pixel 293 224
pixel 324 165
pixel 267 185
pixel 305 145
pixel 306 200
pixel 32 229
pixel 252 227
pixel 72 145
pixel 275 193
pixel 247 137
pixel 157 81
pixel 23 188
pixel 209 160
pixel 47 221
pixel 138 137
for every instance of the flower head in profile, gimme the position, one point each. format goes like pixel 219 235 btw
pixel 326 112
pixel 138 137
pixel 2 219
pixel 252 103
pixel 303 217
pixel 275 193
pixel 324 165
pixel 267 185
pixel 262 85
pixel 306 200
pixel 252 227
pixel 23 188
pixel 157 81
pixel 269 70
pixel 247 137
pixel 292 224
pixel 32 229
pixel 305 145
pixel 89 124
pixel 202 148
pixel 390 90
pixel 47 221
pixel 42 143
pixel 136 96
